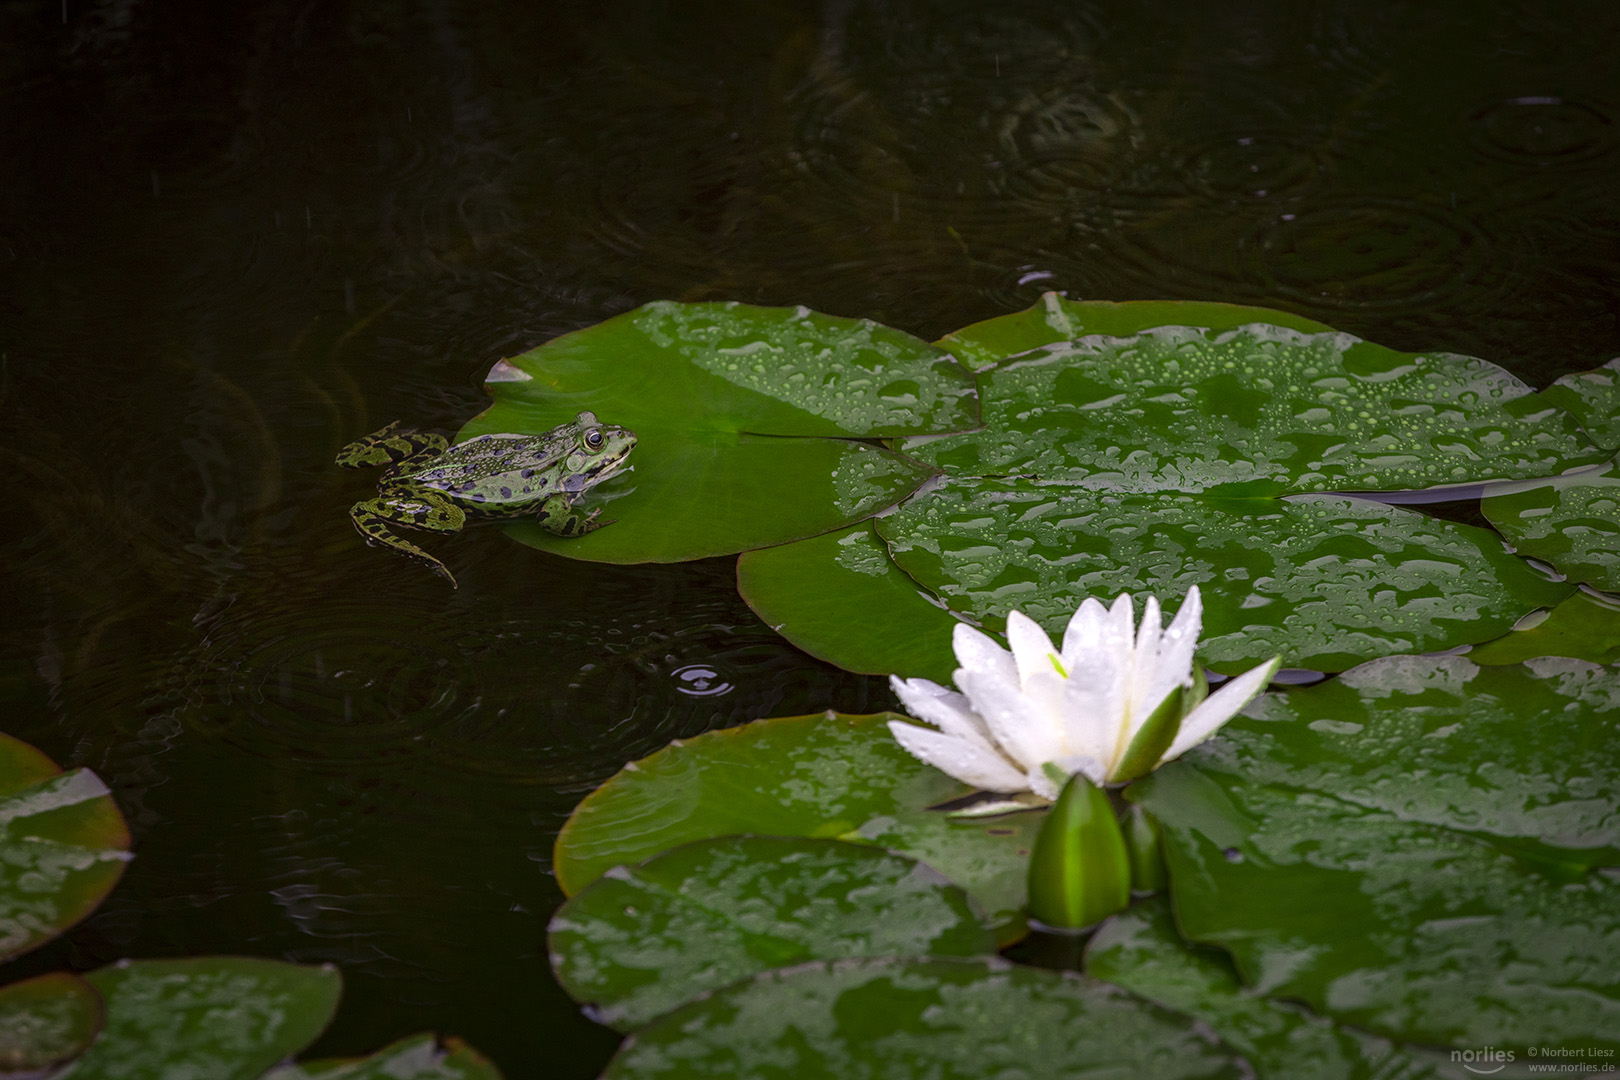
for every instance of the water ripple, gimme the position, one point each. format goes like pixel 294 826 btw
pixel 1543 130
pixel 1368 252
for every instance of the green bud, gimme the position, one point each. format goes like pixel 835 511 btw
pixel 1145 849
pixel 1079 873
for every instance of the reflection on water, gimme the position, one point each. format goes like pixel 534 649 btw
pixel 234 237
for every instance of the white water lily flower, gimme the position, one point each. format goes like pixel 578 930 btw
pixel 1026 718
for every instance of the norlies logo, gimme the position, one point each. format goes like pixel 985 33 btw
pixel 1484 1061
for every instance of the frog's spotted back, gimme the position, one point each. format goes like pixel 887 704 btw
pixel 433 486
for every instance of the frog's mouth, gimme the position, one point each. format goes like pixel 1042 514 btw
pixel 591 477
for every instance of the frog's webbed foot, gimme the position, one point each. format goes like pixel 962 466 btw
pixel 374 516
pixel 390 446
pixel 558 515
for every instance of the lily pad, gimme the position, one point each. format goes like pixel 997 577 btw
pixel 224 1018
pixel 1594 398
pixel 1572 522
pixel 1586 627
pixel 639 941
pixel 826 588
pixel 746 419
pixel 826 775
pixel 1260 409
pixel 1148 446
pixel 1321 580
pixel 1140 950
pixel 418 1057
pixel 45 1021
pixel 855 1019
pixel 63 846
pixel 1423 847
pixel 984 344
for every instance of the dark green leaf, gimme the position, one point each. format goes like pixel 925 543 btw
pixel 418 1057
pixel 63 846
pixel 944 1020
pixel 1055 319
pixel 1572 522
pixel 840 598
pixel 744 417
pixel 1261 410
pixel 827 775
pixel 642 940
pixel 219 1017
pixel 1404 848
pixel 1140 950
pixel 1586 627
pixel 46 1020
pixel 1594 398
pixel 1321 580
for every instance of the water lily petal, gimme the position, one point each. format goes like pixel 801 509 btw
pixel 978 651
pixel 1220 707
pixel 1017 730
pixel 1096 653
pixel 966 761
pixel 947 710
pixel 1083 633
pixel 1090 718
pixel 1042 730
pixel 1031 648
pixel 1176 645
pixel 1091 768
pixel 1041 784
pixel 1145 665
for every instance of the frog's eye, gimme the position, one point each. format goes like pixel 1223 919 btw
pixel 594 439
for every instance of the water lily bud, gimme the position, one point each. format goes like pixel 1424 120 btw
pixel 1145 850
pixel 1079 873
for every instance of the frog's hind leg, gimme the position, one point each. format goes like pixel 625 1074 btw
pixel 391 445
pixel 374 516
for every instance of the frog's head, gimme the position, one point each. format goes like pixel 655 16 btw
pixel 599 451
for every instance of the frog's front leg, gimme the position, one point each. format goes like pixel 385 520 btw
pixel 426 510
pixel 559 515
pixel 390 446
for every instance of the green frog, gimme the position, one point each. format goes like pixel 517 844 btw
pixel 434 486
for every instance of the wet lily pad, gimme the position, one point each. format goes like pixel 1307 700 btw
pixel 63 846
pixel 854 1019
pixel 1423 847
pixel 1140 950
pixel 1323 581
pixel 824 588
pixel 45 1021
pixel 1257 410
pixel 225 1018
pixel 984 344
pixel 419 1057
pixel 827 775
pixel 746 419
pixel 1572 522
pixel 1586 627
pixel 641 940
pixel 1148 446
pixel 1594 398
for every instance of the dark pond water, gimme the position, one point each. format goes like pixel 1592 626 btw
pixel 235 236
